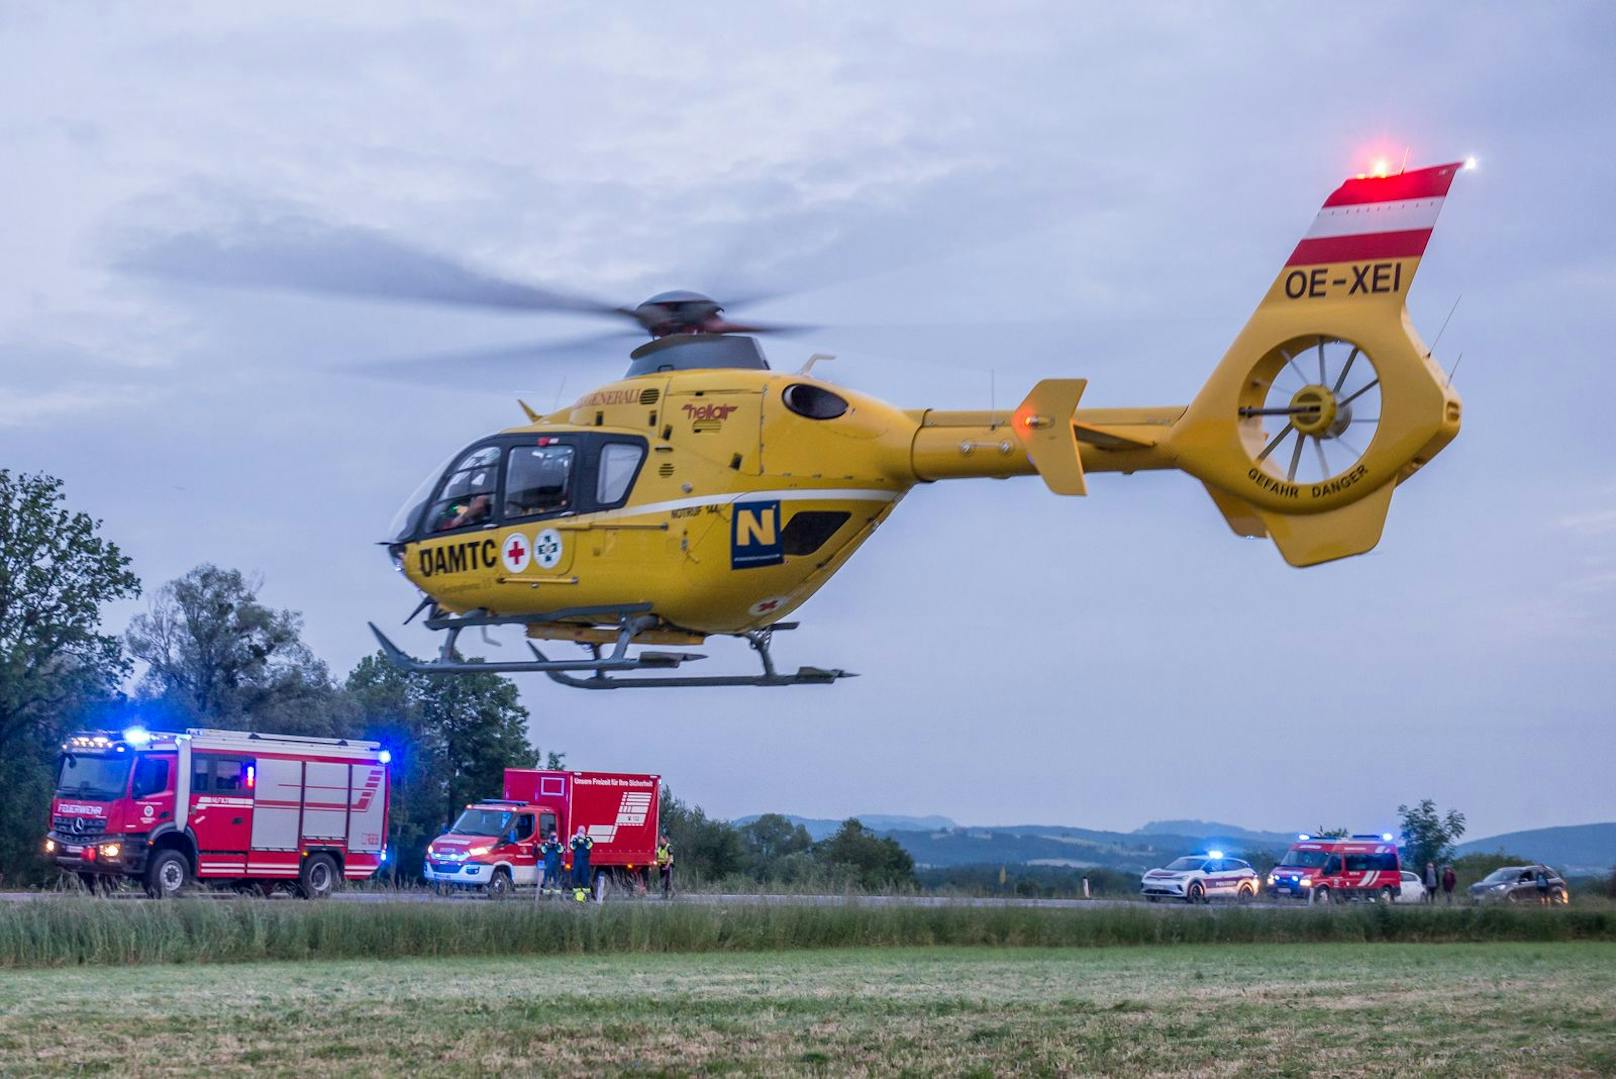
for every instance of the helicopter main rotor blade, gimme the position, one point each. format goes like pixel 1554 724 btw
pixel 723 325
pixel 463 366
pixel 302 254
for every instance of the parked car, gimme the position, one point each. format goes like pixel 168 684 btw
pixel 1518 884
pixel 1413 888
pixel 1201 878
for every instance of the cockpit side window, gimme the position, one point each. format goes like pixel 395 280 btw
pixel 467 495
pixel 538 479
pixel 618 463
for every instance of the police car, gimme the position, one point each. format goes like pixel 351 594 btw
pixel 1201 878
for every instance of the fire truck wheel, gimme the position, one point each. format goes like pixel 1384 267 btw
pixel 1387 895
pixel 1196 893
pixel 319 877
pixel 500 885
pixel 1323 896
pixel 167 874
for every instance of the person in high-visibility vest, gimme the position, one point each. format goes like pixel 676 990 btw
pixel 551 850
pixel 664 861
pixel 581 845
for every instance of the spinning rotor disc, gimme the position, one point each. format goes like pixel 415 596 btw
pixel 1311 410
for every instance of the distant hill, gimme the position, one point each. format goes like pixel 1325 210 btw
pixel 1212 829
pixel 821 827
pixel 1571 848
pixel 938 841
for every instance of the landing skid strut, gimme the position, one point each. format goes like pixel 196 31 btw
pixel 600 669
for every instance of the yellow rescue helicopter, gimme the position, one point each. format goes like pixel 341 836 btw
pixel 706 493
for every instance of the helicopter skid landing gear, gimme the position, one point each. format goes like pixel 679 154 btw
pixel 604 668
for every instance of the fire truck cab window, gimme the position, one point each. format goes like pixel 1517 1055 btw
pixel 522 830
pixel 538 480
pixel 84 776
pixel 618 463
pixel 547 824
pixel 467 495
pixel 151 777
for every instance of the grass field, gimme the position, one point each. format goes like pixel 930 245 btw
pixel 74 932
pixel 1470 1009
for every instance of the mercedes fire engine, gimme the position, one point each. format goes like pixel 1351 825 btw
pixel 495 844
pixel 257 810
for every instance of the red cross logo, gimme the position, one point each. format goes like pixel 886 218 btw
pixel 767 606
pixel 515 552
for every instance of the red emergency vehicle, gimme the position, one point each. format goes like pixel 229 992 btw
pixel 495 844
pixel 1333 870
pixel 227 806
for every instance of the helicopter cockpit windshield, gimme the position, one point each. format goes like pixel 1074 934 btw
pixel 403 524
pixel 520 478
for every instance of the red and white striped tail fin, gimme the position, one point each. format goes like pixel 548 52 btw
pixel 1328 399
pixel 1371 219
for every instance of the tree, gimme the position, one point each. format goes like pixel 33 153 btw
pixel 1429 836
pixel 56 572
pixel 451 738
pixel 866 859
pixel 1330 833
pixel 704 848
pixel 768 840
pixel 216 656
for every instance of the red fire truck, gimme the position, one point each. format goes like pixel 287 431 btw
pixel 257 810
pixel 1331 870
pixel 495 844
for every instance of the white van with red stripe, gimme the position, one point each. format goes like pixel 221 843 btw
pixel 219 806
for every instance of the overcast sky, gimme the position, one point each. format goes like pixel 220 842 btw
pixel 984 196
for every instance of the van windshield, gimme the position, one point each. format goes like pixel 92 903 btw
pixel 1307 859
pixel 82 776
pixel 482 822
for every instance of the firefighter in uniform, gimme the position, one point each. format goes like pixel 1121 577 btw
pixel 581 845
pixel 664 861
pixel 551 850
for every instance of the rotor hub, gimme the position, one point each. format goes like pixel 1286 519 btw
pixel 1313 410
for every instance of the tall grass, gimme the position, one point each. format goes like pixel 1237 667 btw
pixel 74 931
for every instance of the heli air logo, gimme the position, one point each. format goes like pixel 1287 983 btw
pixel 708 417
pixel 631 813
pixel 754 538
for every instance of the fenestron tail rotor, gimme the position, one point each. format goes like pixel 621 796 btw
pixel 1319 410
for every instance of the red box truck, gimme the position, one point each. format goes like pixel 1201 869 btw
pixel 219 806
pixel 495 843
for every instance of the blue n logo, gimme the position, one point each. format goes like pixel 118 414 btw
pixel 754 538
